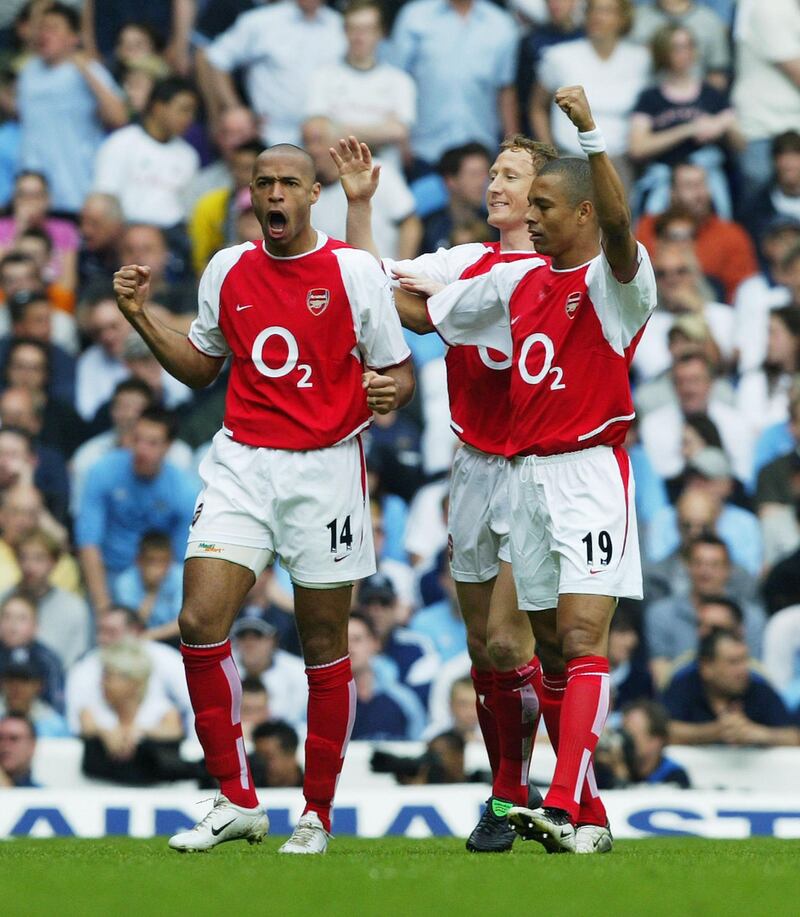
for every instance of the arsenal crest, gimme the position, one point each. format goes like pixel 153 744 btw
pixel 573 301
pixel 317 300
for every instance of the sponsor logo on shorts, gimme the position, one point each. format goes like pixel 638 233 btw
pixel 317 300
pixel 572 303
pixel 209 548
pixel 197 513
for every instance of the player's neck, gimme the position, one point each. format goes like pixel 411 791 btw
pixel 579 254
pixel 515 240
pixel 301 244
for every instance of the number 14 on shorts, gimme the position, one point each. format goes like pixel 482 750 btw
pixel 604 546
pixel 341 537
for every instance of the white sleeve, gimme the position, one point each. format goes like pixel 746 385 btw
pixel 394 197
pixel 109 164
pixel 623 308
pixel 205 333
pixel 444 265
pixel 475 311
pixel 377 326
pixel 317 95
pixel 406 99
pixel 232 48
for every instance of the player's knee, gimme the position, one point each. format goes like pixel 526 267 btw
pixel 507 653
pixel 478 653
pixel 581 640
pixel 324 645
pixel 198 628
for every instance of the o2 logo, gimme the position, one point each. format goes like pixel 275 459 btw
pixel 289 364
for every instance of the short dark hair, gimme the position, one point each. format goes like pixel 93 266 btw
pixel 709 538
pixel 790 317
pixel 707 649
pixel 452 160
pixel 451 738
pixel 256 147
pixel 152 33
pixel 36 232
pixel 577 177
pixel 21 718
pixel 161 416
pixel 19 303
pixel 358 616
pixel 132 384
pixel 16 258
pixel 787 142
pixel 355 6
pixel 67 13
pixel 734 608
pixel 280 730
pixel 155 541
pixel 253 685
pixel 132 618
pixel 656 714
pixel 705 428
pixel 15 345
pixel 165 90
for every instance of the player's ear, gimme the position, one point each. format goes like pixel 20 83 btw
pixel 316 188
pixel 585 212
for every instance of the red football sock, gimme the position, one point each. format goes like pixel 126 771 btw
pixel 583 714
pixel 331 713
pixel 215 689
pixel 516 711
pixel 484 687
pixel 550 689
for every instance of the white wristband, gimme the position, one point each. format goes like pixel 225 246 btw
pixel 592 141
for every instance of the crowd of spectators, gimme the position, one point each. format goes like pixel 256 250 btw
pixel 128 134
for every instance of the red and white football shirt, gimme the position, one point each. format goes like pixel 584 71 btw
pixel 478 378
pixel 300 331
pixel 571 335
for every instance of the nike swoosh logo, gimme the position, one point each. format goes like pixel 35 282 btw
pixel 596 571
pixel 217 831
pixel 337 559
pixel 242 308
pixel 515 320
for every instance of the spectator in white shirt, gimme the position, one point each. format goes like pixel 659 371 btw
pixel 148 166
pixel 278 47
pixel 100 367
pixel 613 70
pixel 397 228
pixel 376 101
pixel 662 429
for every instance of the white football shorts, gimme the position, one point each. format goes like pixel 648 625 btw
pixel 573 527
pixel 478 518
pixel 310 508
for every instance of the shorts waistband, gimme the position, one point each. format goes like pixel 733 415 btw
pixel 489 456
pixel 559 457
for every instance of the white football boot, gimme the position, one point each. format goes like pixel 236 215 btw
pixel 308 837
pixel 593 839
pixel 550 827
pixel 225 822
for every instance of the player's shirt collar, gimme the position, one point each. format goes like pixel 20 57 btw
pixel 322 241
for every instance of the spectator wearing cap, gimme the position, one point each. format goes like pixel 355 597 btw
pixel 710 470
pixel 265 44
pixel 19 644
pixel 17 749
pixel 212 222
pixel 696 510
pixel 21 686
pixel 441 622
pixel 724 249
pixel 167 682
pixel 782 197
pixel 154 587
pixel 408 657
pixel 130 492
pixel 63 620
pixel 273 760
pixel 385 709
pixel 671 623
pixel 66 100
pixel 721 700
pixel 462 55
pixel 257 654
pixel 662 429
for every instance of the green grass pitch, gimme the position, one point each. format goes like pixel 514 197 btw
pixel 399 876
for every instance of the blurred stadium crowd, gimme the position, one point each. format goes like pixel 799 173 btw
pixel 129 132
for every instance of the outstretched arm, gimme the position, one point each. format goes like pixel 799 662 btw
pixel 359 177
pixel 610 199
pixel 171 348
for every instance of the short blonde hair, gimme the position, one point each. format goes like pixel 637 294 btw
pixel 127 658
pixel 540 153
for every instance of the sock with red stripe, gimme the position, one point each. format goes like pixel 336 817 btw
pixel 331 712
pixel 583 714
pixel 215 690
pixel 550 689
pixel 484 688
pixel 516 711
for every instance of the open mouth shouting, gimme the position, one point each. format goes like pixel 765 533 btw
pixel 276 224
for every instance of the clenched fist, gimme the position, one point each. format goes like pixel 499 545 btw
pixel 573 102
pixel 381 392
pixel 131 287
